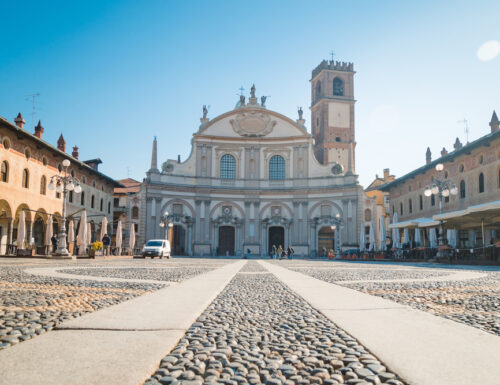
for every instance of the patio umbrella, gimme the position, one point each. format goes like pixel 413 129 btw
pixel 88 239
pixel 21 230
pixel 362 239
pixel 396 240
pixel 372 236
pixel 71 231
pixel 433 238
pixel 50 231
pixel 418 237
pixel 119 237
pixel 131 240
pixel 82 233
pixel 382 235
pixel 450 236
pixel 406 236
pixel 104 227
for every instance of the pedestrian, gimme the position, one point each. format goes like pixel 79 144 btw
pixel 106 242
pixel 273 252
pixel 247 254
pixel 280 251
pixel 290 252
pixel 54 241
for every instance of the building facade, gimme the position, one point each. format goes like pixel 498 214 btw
pixel 126 206
pixel 253 179
pixel 27 164
pixel 474 169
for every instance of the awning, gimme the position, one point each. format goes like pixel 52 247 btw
pixel 414 223
pixel 487 214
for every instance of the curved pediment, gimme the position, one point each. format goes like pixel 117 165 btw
pixel 252 123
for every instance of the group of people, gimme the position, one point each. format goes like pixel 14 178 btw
pixel 280 253
pixel 106 242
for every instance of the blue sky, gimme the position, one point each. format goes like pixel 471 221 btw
pixel 112 74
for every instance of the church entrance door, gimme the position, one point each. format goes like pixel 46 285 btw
pixel 276 238
pixel 178 240
pixel 226 240
pixel 326 240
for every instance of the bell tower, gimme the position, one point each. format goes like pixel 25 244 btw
pixel 332 113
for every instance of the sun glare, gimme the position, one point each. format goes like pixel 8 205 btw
pixel 488 50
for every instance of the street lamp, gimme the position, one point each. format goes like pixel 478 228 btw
pixel 338 225
pixel 166 222
pixel 442 188
pixel 62 183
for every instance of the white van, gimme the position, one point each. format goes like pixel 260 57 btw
pixel 156 248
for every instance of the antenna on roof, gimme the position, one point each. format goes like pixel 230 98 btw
pixel 466 128
pixel 32 97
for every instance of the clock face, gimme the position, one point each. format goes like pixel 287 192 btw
pixel 339 115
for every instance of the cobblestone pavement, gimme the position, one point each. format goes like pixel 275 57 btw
pixel 474 302
pixel 258 331
pixel 31 305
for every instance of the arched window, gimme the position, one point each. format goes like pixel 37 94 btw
pixel 318 89
pixel 26 178
pixel 410 206
pixel 433 200
pixel 338 87
pixel 109 207
pixel 43 185
pixel 481 183
pixel 70 196
pixel 92 201
pixel 277 168
pixel 227 167
pixel 401 208
pixel 421 202
pixel 101 205
pixel 5 172
pixel 462 189
pixel 135 212
pixel 368 215
pixel 82 198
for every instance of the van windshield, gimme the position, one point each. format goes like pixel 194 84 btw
pixel 154 243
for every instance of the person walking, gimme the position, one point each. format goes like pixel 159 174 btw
pixel 290 252
pixel 54 241
pixel 106 242
pixel 280 251
pixel 273 252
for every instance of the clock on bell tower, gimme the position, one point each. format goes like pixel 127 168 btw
pixel 332 113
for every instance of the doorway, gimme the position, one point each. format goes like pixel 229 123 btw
pixel 39 232
pixel 326 240
pixel 276 238
pixel 226 240
pixel 178 240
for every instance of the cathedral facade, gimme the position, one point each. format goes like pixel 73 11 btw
pixel 257 179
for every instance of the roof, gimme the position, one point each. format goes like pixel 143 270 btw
pixel 130 186
pixel 482 141
pixel 23 133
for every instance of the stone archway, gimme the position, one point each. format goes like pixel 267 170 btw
pixel 39 231
pixel 276 237
pixel 326 240
pixel 5 226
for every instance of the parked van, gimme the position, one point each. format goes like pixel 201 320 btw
pixel 156 248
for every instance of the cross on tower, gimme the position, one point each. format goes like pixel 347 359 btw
pixel 332 54
pixel 241 90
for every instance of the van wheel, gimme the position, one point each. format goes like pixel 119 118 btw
pixel 161 255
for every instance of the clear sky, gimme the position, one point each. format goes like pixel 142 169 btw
pixel 112 74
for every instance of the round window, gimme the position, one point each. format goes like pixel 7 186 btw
pixel 461 168
pixel 6 143
pixel 481 159
pixel 27 153
pixel 45 161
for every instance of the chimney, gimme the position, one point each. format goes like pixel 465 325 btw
pixel 458 145
pixel 39 130
pixel 19 120
pixel 61 143
pixel 428 156
pixel 178 159
pixel 74 154
pixel 495 123
pixel 386 173
pixel 444 152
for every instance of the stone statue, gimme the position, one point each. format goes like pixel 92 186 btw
pixel 252 91
pixel 242 100
pixel 300 113
pixel 263 101
pixel 205 111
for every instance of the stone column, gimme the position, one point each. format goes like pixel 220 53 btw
pixel 197 226
pixel 190 239
pixel 157 227
pixel 264 239
pixel 296 221
pixel 215 238
pixel 237 247
pixel 303 228
pixel 207 221
pixel 247 222
pixel 148 220
pixel 314 244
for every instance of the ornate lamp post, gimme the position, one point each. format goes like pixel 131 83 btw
pixel 442 188
pixel 167 222
pixel 339 224
pixel 62 183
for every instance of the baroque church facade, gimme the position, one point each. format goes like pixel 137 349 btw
pixel 256 178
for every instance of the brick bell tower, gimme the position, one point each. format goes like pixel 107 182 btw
pixel 332 113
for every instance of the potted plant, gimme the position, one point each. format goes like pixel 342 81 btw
pixel 95 246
